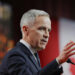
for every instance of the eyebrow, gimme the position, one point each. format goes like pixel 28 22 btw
pixel 42 27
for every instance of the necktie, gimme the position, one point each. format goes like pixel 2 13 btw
pixel 36 55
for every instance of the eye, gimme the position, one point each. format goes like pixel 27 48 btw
pixel 41 28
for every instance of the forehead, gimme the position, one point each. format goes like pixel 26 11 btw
pixel 42 21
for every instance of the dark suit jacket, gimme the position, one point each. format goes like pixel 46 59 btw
pixel 20 61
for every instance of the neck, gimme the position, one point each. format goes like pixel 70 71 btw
pixel 31 47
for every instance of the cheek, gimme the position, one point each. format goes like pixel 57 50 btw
pixel 37 34
pixel 36 38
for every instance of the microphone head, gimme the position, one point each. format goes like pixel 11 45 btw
pixel 69 61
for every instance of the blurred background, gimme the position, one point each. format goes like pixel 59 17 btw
pixel 62 14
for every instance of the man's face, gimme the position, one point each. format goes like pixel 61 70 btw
pixel 39 32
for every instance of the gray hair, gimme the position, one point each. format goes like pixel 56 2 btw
pixel 29 17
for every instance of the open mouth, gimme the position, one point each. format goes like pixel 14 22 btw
pixel 43 40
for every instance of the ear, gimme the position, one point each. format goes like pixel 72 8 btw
pixel 25 28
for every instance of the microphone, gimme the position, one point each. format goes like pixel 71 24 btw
pixel 69 61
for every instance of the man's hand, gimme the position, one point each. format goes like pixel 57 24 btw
pixel 66 52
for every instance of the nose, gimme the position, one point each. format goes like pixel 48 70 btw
pixel 46 34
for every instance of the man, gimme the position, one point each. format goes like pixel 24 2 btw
pixel 23 58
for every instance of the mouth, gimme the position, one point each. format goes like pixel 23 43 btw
pixel 45 41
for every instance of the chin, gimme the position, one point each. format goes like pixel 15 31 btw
pixel 41 48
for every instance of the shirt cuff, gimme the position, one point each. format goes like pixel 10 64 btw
pixel 58 63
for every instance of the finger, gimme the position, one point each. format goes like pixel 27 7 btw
pixel 73 53
pixel 69 43
pixel 70 50
pixel 69 46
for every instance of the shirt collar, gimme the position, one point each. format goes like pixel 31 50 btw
pixel 28 46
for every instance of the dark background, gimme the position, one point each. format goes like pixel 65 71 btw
pixel 56 9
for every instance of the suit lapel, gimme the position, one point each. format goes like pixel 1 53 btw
pixel 34 62
pixel 38 60
pixel 27 52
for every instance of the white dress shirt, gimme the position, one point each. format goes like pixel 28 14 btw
pixel 29 47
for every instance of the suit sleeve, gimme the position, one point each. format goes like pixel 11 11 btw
pixel 52 69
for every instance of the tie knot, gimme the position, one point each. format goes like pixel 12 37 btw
pixel 35 55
